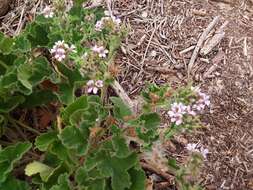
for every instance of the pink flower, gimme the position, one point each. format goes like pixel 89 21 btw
pixel 99 83
pixel 177 119
pixel 99 26
pixel 116 21
pixel 100 50
pixel 190 111
pixel 176 113
pixel 48 12
pixel 94 86
pixel 193 147
pixel 72 48
pixel 61 49
pixel 101 23
pixel 203 100
pixel 204 152
pixel 59 54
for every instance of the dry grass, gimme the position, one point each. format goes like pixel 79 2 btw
pixel 22 11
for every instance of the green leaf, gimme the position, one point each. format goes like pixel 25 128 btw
pixel 63 183
pixel 73 78
pixel 90 180
pixel 24 73
pixel 42 142
pixel 98 184
pixel 173 164
pixel 61 152
pixel 15 184
pixel 39 98
pixel 138 179
pixel 114 44
pixel 6 44
pixel 147 136
pixel 8 59
pixel 80 2
pixel 37 35
pixel 120 110
pixel 8 80
pixel 32 74
pixel 73 75
pixel 22 44
pixel 38 168
pixel 74 138
pixel 151 120
pixel 80 103
pixel 117 169
pixel 10 103
pixel 9 156
pixel 66 93
pixel 54 175
pixel 120 146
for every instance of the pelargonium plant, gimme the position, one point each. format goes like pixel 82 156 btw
pixel 66 49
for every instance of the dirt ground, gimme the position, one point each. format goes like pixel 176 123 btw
pixel 159 32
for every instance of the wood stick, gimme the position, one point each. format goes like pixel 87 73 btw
pixel 153 169
pixel 200 43
pixel 215 40
pixel 163 70
pixel 186 50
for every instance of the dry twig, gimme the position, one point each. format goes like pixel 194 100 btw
pixel 214 41
pixel 200 43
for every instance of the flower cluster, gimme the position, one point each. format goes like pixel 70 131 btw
pixel 60 50
pixel 48 12
pixel 94 86
pixel 178 110
pixel 202 101
pixel 176 113
pixel 101 23
pixel 193 147
pixel 100 50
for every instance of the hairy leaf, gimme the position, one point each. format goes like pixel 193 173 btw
pixel 42 142
pixel 10 103
pixel 30 75
pixel 150 120
pixel 39 98
pixel 9 156
pixel 6 44
pixel 138 179
pixel 80 103
pixel 38 168
pixel 76 139
pixel 120 110
pixel 22 44
pixel 63 183
pixel 120 146
pixel 15 184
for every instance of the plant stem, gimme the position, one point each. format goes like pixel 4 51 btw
pixel 4 65
pixel 23 125
pixel 19 130
pixel 59 127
